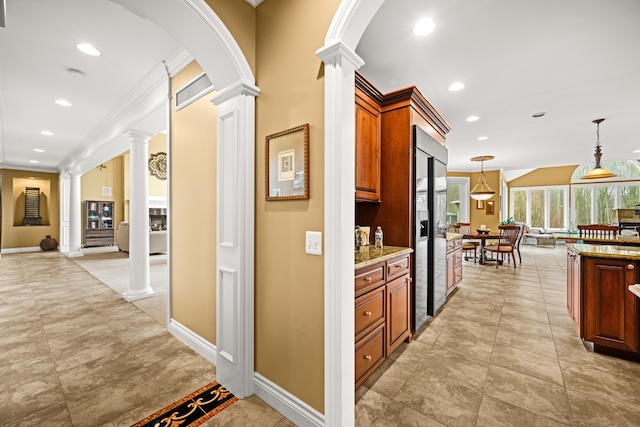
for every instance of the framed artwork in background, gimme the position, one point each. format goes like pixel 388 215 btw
pixel 479 204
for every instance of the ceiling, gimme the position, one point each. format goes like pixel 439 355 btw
pixel 576 60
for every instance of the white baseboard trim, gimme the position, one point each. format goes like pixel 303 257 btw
pixel 201 346
pixel 19 250
pixel 287 404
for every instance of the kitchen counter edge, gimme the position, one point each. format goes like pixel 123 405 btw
pixel 606 251
pixel 369 255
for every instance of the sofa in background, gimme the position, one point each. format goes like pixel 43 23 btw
pixel 539 236
pixel 157 239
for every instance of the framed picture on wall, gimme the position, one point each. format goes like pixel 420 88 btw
pixel 479 204
pixel 490 208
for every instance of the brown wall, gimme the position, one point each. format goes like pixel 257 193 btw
pixel 13 186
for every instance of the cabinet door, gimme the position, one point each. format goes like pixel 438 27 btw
pixel 398 312
pixel 610 309
pixel 367 156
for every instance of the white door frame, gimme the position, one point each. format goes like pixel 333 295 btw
pixel 340 63
pixel 194 25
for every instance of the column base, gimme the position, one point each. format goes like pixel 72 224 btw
pixel 137 295
pixel 74 254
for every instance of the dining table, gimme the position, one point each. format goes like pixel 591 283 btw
pixel 483 237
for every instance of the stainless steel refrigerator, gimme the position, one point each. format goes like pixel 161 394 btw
pixel 430 225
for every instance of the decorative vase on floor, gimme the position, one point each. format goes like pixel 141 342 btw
pixel 48 244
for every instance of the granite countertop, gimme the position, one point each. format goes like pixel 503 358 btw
pixel 635 289
pixel 606 251
pixel 453 236
pixel 369 255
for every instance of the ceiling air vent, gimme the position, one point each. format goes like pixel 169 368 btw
pixel 193 91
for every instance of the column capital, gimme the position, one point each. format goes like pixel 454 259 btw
pixel 339 51
pixel 238 88
pixel 138 135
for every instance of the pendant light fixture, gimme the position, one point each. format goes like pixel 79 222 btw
pixel 482 191
pixel 598 172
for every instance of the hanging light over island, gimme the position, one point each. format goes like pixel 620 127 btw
pixel 482 191
pixel 598 172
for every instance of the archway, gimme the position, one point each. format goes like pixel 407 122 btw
pixel 341 61
pixel 202 33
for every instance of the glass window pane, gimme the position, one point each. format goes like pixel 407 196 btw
pixel 453 203
pixel 520 206
pixel 556 208
pixel 582 203
pixel 604 204
pixel 629 196
pixel 537 208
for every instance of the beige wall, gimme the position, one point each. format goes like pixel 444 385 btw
pixel 560 175
pixel 193 211
pixel 13 187
pixel 92 183
pixel 289 283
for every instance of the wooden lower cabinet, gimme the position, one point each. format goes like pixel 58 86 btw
pixel 382 313
pixel 610 315
pixel 454 263
pixel 600 304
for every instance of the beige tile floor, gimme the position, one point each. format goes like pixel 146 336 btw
pixel 502 352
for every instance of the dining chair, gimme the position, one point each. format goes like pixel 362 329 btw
pixel 598 230
pixel 468 245
pixel 506 243
pixel 522 226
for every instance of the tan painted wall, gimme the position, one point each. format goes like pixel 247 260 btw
pixel 477 216
pixel 193 211
pixel 289 283
pixel 560 175
pixel 240 19
pixel 13 186
pixel 91 184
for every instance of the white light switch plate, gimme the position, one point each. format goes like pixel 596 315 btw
pixel 313 243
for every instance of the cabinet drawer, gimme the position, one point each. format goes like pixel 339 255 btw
pixel 458 258
pixel 451 245
pixel 369 278
pixel 397 267
pixel 458 273
pixel 369 354
pixel 457 244
pixel 369 310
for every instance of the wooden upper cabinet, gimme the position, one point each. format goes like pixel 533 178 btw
pixel 368 135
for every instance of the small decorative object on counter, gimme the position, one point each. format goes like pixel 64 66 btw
pixel 378 238
pixel 48 244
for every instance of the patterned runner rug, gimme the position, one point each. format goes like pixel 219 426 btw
pixel 191 410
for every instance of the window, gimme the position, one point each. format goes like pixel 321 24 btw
pixel 541 207
pixel 457 200
pixel 593 202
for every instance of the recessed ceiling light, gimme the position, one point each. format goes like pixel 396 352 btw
pixel 456 86
pixel 33 161
pixel 423 27
pixel 636 151
pixel 75 72
pixel 88 49
pixel 46 132
pixel 472 118
pixel 62 102
pixel 38 150
pixel 482 138
pixel 540 114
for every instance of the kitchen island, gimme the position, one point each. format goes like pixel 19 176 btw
pixel 616 240
pixel 382 305
pixel 600 302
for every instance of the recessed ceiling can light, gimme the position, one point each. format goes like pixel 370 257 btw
pixel 456 86
pixel 483 138
pixel 88 49
pixel 424 27
pixel 46 132
pixel 472 118
pixel 540 114
pixel 33 161
pixel 38 150
pixel 636 151
pixel 62 102
pixel 75 72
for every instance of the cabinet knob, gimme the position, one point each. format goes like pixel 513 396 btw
pixel 367 314
pixel 399 266
pixel 368 357
pixel 367 279
pixel 630 267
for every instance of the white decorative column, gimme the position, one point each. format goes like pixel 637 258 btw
pixel 139 282
pixel 340 63
pixel 235 237
pixel 75 216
